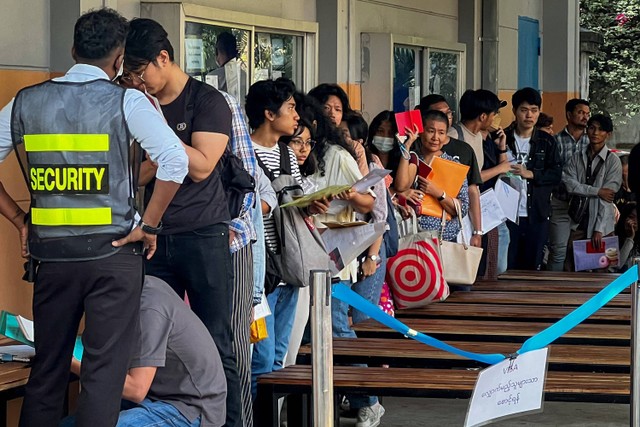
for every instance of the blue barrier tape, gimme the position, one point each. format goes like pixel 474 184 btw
pixel 577 316
pixel 538 341
pixel 344 293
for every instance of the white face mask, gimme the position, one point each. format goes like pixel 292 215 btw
pixel 384 144
pixel 119 73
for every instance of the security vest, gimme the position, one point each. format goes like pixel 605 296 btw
pixel 72 143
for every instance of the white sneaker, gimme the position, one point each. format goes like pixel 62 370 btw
pixel 369 416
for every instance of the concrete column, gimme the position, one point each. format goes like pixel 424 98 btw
pixel 561 56
pixel 490 31
pixel 469 33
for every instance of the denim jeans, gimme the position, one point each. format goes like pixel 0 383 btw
pixel 503 247
pixel 559 231
pixel 198 262
pixel 341 329
pixel 269 354
pixel 147 414
pixel 370 287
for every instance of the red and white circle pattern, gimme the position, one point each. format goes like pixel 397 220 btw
pixel 416 275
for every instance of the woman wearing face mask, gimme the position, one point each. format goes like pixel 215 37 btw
pixel 382 143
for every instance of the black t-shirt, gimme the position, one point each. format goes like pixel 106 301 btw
pixel 462 152
pixel 491 157
pixel 199 108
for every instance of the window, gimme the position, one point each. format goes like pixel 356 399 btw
pixel 202 57
pixel 272 55
pixel 412 80
pixel 443 70
pixel 406 77
pixel 278 55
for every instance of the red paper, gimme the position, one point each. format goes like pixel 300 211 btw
pixel 424 170
pixel 407 120
pixel 592 250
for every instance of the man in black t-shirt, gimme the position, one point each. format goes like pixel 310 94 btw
pixel 193 247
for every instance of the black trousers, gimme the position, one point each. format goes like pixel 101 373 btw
pixel 198 262
pixel 107 291
pixel 526 248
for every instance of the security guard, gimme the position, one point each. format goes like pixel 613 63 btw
pixel 72 136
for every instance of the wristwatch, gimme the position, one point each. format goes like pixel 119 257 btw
pixel 149 229
pixel 478 233
pixel 444 196
pixel 374 258
pixel 502 151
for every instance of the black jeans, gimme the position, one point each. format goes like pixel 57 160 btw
pixel 198 262
pixel 107 291
pixel 526 248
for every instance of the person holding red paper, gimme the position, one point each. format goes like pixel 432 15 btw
pixel 432 140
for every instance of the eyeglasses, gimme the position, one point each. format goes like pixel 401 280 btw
pixel 134 79
pixel 298 143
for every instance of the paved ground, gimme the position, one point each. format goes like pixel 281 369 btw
pixel 408 412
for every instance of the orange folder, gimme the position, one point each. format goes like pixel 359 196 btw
pixel 449 177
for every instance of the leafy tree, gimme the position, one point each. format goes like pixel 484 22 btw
pixel 615 69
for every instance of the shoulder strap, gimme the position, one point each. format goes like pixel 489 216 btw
pixel 595 172
pixel 266 170
pixel 190 105
pixel 459 131
pixel 285 159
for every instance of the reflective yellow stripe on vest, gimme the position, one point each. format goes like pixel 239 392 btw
pixel 66 142
pixel 70 216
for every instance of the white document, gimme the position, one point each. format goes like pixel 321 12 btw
pixel 194 54
pixel 345 244
pixel 371 179
pixel 22 350
pixel 26 326
pixel 508 198
pixel 510 388
pixel 211 80
pixel 261 310
pixel 492 215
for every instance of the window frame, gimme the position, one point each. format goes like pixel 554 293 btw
pixel 174 15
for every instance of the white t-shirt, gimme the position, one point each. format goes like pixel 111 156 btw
pixel 521 156
pixel 473 139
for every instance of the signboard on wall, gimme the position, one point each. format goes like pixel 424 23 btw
pixel 194 55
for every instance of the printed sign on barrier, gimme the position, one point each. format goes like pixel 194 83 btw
pixel 508 389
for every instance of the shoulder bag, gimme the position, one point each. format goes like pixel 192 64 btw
pixel 459 260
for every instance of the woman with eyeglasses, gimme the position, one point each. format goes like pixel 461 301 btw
pixel 302 144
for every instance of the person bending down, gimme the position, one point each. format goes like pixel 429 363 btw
pixel 175 376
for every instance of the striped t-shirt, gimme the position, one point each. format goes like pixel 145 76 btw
pixel 270 156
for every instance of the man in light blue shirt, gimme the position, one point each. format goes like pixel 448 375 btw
pixel 93 267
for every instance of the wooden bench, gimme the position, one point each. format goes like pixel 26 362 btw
pixel 13 377
pixel 566 386
pixel 408 352
pixel 510 312
pixel 495 330
pixel 549 286
pixel 563 276
pixel 542 298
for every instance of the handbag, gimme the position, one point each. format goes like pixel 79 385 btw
pixel 415 274
pixel 236 182
pixel 460 261
pixel 578 207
